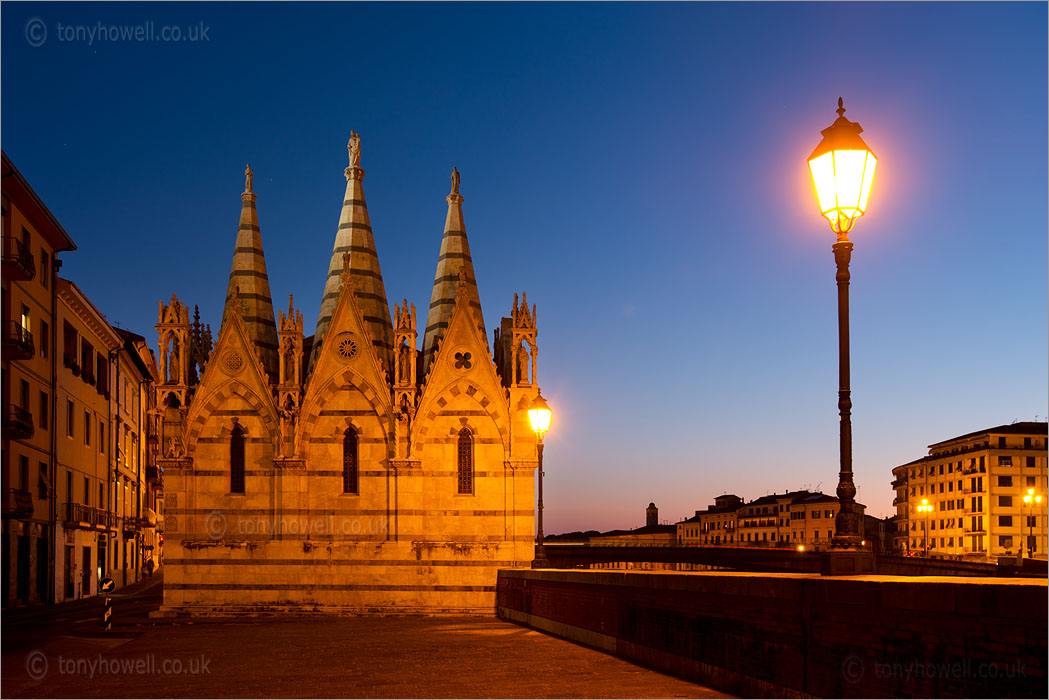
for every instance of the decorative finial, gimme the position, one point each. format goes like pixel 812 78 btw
pixel 455 180
pixel 354 148
pixel 841 107
pixel 248 175
pixel 291 304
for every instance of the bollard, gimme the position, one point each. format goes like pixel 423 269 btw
pixel 107 614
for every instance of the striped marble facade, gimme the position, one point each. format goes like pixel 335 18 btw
pixel 261 512
pixel 354 236
pixel 249 285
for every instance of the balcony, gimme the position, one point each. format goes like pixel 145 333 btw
pixel 18 342
pixel 18 422
pixel 898 500
pixel 77 515
pixel 153 474
pixel 18 262
pixel 18 503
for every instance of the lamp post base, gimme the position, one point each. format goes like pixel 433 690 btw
pixel 840 562
pixel 540 561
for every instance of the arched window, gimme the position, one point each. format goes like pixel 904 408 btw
pixel 349 461
pixel 236 461
pixel 466 461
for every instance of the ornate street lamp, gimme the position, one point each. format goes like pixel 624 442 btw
pixel 539 417
pixel 1032 500
pixel 926 508
pixel 842 168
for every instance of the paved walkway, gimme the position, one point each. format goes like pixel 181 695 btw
pixel 318 656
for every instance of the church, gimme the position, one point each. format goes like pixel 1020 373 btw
pixel 350 470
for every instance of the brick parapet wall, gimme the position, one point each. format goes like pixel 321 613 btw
pixel 802 634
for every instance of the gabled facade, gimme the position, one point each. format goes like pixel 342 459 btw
pixel 355 471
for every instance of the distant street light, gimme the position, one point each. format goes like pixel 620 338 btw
pixel 539 417
pixel 1032 500
pixel 926 508
pixel 842 168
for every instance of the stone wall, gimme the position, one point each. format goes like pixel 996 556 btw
pixel 796 635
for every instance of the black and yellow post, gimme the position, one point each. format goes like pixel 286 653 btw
pixel 107 614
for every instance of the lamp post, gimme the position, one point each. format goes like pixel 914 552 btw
pixel 1031 499
pixel 926 508
pixel 842 169
pixel 539 417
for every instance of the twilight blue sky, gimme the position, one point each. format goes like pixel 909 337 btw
pixel 639 169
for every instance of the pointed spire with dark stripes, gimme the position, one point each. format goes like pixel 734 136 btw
pixel 355 237
pixel 249 286
pixel 455 256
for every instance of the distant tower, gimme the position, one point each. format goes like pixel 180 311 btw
pixel 651 515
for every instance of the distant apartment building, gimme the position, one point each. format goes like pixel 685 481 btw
pixel 715 525
pixel 32 239
pixel 791 519
pixel 975 485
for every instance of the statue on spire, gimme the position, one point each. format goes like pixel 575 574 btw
pixel 354 147
pixel 248 176
pixel 455 180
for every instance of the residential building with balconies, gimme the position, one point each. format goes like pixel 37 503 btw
pixel 87 523
pixel 135 489
pixel 32 240
pixel 971 490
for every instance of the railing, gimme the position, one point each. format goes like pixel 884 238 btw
pixel 18 422
pixel 17 260
pixel 18 503
pixel 18 341
pixel 79 515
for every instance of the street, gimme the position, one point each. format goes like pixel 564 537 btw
pixel 64 652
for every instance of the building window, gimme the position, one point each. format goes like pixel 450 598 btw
pixel 43 410
pixel 45 268
pixel 1027 443
pixel 941 470
pixel 1032 521
pixel 1005 501
pixel 102 436
pixel 236 461
pixel 1006 541
pixel 349 461
pixel 87 428
pixel 87 492
pixel 69 417
pixel 466 461
pixel 1005 461
pixel 45 338
pixel 1030 481
pixel 1005 521
pixel 1001 442
pixel 1030 462
pixel 44 482
pixel 1005 480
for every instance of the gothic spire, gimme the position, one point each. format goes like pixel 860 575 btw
pixel 454 258
pixel 249 286
pixel 354 236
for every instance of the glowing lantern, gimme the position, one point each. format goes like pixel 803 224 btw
pixel 842 168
